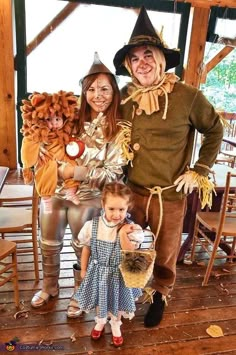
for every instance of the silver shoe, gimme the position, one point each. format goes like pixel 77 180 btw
pixel 73 310
pixel 41 298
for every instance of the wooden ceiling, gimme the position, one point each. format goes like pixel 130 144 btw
pixel 210 3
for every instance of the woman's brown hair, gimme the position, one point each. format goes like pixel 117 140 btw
pixel 112 114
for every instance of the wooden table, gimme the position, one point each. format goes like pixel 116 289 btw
pixel 193 205
pixel 230 140
pixel 3 174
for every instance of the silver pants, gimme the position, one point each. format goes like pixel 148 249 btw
pixel 53 226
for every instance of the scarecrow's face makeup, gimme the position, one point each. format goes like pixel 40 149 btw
pixel 143 65
pixel 54 122
pixel 100 94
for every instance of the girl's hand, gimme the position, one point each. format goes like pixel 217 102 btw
pixel 127 228
pixel 82 274
pixel 136 227
pixel 137 235
pixel 125 243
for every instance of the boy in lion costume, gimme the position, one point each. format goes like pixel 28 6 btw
pixel 48 121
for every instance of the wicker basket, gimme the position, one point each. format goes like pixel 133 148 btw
pixel 138 278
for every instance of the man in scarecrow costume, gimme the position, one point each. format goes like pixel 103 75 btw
pixel 163 114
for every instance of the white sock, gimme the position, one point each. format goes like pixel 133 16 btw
pixel 99 326
pixel 115 327
pixel 100 323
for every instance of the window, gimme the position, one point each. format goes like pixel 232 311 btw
pixel 65 56
pixel 220 85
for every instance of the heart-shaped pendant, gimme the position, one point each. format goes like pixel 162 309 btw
pixel 75 148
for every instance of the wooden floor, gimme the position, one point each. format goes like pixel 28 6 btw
pixel 191 310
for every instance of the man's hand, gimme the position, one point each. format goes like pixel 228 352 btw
pixel 186 181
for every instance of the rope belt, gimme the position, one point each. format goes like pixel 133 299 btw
pixel 156 190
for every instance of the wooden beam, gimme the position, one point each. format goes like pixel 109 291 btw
pixel 51 26
pixel 193 71
pixel 218 58
pixel 7 97
pixel 210 3
pixel 214 61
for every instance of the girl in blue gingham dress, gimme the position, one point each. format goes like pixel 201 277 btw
pixel 103 288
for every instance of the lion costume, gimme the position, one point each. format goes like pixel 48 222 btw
pixel 38 138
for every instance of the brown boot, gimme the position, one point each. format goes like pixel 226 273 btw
pixel 51 271
pixel 77 277
pixel 73 310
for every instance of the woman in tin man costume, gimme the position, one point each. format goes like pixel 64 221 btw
pixel 102 161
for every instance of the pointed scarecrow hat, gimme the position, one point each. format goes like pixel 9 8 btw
pixel 97 68
pixel 145 34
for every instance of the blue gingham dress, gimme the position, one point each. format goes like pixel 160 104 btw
pixel 103 287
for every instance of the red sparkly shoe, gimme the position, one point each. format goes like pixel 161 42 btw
pixel 96 334
pixel 117 341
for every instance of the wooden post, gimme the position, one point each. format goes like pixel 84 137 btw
pixel 193 71
pixel 7 96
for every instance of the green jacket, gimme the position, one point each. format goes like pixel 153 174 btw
pixel 163 148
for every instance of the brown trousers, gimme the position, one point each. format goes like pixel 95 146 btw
pixel 169 238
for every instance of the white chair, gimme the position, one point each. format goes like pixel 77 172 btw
pixel 227 154
pixel 19 218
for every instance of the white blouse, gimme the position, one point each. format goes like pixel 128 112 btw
pixel 106 232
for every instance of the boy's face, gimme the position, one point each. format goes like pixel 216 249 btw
pixel 143 65
pixel 54 123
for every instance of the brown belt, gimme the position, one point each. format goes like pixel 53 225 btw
pixel 154 192
pixel 142 190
